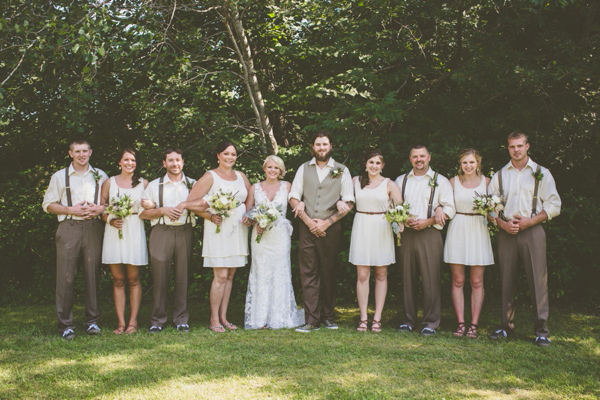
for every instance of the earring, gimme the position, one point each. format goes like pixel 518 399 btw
pixel 478 171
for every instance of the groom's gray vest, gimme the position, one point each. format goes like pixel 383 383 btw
pixel 320 197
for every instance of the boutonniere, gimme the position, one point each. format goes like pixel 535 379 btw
pixel 538 176
pixel 336 172
pixel 189 184
pixel 96 175
pixel 433 183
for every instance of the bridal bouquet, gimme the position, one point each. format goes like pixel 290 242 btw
pixel 264 214
pixel 222 202
pixel 486 204
pixel 397 215
pixel 120 207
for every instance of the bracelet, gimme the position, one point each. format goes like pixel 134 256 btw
pixel 211 215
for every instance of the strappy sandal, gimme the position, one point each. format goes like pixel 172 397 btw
pixel 472 332
pixel 230 326
pixel 376 326
pixel 460 331
pixel 120 329
pixel 131 329
pixel 217 328
pixel 362 326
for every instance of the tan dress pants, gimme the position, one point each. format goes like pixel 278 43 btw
pixel 421 252
pixel 77 240
pixel 528 248
pixel 170 246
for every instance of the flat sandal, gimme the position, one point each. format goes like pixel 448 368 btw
pixel 376 326
pixel 460 331
pixel 362 325
pixel 472 331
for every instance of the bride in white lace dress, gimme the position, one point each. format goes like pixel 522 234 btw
pixel 270 301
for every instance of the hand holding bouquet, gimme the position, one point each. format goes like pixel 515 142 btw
pixel 398 215
pixel 120 207
pixel 264 214
pixel 222 202
pixel 485 205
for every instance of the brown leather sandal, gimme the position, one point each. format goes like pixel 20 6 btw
pixel 131 329
pixel 376 326
pixel 472 332
pixel 460 331
pixel 120 329
pixel 362 325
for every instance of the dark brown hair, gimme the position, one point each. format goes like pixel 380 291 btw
pixel 321 134
pixel 363 179
pixel 135 178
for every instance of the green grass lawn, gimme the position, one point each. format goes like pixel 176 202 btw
pixel 36 363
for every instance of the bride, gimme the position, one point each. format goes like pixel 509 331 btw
pixel 270 301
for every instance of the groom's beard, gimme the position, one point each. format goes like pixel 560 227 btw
pixel 323 158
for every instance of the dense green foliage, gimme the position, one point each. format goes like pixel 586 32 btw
pixel 382 73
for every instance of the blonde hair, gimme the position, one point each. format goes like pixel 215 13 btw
pixel 279 163
pixel 469 152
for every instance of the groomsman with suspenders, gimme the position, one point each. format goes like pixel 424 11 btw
pixel 171 238
pixel 530 198
pixel 74 196
pixel 432 203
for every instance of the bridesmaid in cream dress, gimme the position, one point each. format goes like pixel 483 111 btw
pixel 467 241
pixel 227 250
pixel 372 240
pixel 126 255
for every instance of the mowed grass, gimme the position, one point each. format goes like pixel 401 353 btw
pixel 36 363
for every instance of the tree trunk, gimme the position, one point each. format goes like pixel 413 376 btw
pixel 241 44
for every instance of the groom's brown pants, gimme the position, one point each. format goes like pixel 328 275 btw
pixel 319 259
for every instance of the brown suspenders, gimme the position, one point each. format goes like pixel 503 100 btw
pixel 68 189
pixel 535 189
pixel 430 203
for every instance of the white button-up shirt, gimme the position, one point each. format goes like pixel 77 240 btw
pixel 518 187
pixel 418 191
pixel 173 194
pixel 347 192
pixel 83 188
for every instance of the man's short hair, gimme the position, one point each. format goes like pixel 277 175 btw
pixel 418 146
pixel 321 134
pixel 77 142
pixel 518 135
pixel 172 150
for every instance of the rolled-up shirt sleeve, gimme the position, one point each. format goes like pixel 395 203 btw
pixel 551 202
pixel 52 194
pixel 347 193
pixel 446 200
pixel 297 185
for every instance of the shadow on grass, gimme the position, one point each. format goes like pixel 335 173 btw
pixel 35 362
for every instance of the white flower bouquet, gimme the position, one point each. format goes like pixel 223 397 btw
pixel 221 203
pixel 397 215
pixel 120 207
pixel 491 205
pixel 264 214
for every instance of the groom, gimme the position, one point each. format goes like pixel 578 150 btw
pixel 321 195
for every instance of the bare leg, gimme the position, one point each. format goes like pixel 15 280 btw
pixel 458 297
pixel 216 294
pixel 381 286
pixel 226 295
pixel 477 292
pixel 362 289
pixel 118 274
pixel 135 295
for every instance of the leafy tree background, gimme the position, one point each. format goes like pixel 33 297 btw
pixel 376 73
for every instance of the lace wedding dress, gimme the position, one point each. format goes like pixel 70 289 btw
pixel 270 300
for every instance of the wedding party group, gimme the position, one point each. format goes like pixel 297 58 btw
pixel 396 222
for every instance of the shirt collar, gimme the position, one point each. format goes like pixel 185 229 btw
pixel 430 173
pixel 530 163
pixel 330 163
pixel 168 180
pixel 72 170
